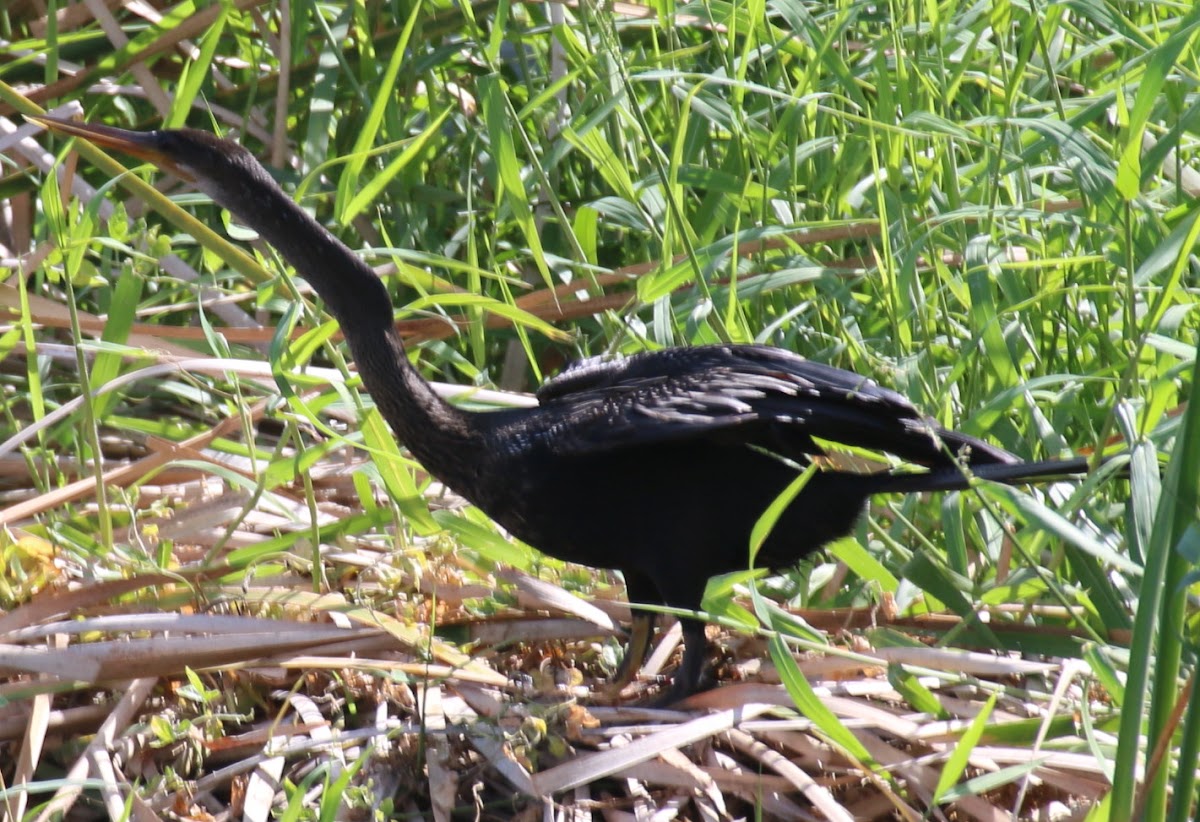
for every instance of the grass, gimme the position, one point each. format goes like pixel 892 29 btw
pixel 989 207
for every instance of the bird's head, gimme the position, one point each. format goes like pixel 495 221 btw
pixel 220 168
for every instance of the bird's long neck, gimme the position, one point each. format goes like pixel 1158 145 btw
pixel 434 431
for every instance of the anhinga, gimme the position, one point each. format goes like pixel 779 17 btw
pixel 657 465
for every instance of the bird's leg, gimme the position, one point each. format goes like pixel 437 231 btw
pixel 638 589
pixel 688 677
pixel 636 651
pixel 686 590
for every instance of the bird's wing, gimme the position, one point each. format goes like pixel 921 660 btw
pixel 760 395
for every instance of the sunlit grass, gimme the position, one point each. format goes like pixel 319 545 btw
pixel 989 208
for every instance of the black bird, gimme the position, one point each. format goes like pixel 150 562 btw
pixel 657 465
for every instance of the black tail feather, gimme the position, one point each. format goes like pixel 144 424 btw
pixel 958 479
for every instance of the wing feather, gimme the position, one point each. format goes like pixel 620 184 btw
pixel 759 394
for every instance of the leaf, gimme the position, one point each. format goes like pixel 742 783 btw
pixel 917 695
pixel 510 187
pixel 766 523
pixel 122 310
pixel 396 473
pixel 490 545
pixel 349 204
pixel 956 765
pixel 804 697
pixel 368 192
pixel 863 563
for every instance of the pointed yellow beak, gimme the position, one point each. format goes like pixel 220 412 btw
pixel 144 145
